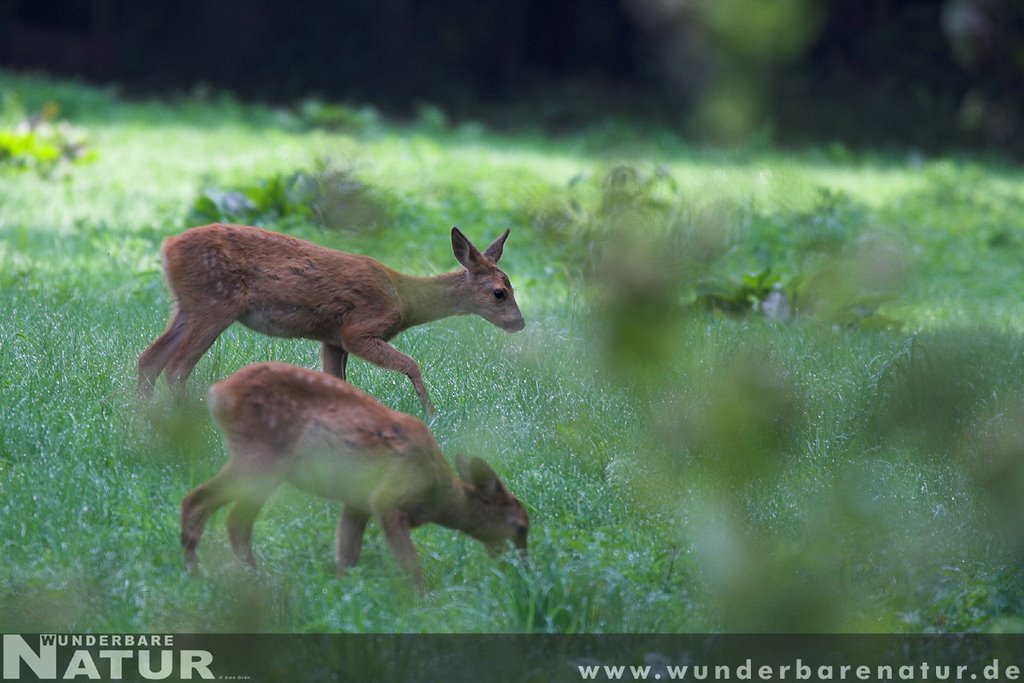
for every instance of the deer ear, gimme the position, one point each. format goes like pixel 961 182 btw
pixel 483 477
pixel 493 252
pixel 465 252
pixel 462 468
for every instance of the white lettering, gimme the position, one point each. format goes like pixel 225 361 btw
pixel 146 667
pixel 677 673
pixel 81 663
pixel 116 657
pixel 199 661
pixel 43 664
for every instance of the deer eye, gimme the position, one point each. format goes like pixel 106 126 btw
pixel 499 294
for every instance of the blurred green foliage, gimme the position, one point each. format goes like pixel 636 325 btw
pixel 660 250
pixel 38 142
pixel 316 113
pixel 329 197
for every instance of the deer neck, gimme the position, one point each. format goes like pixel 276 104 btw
pixel 425 299
pixel 453 510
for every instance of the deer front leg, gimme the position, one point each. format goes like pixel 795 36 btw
pixel 242 517
pixel 379 352
pixel 396 531
pixel 349 540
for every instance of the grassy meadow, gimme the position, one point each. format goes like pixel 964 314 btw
pixel 689 462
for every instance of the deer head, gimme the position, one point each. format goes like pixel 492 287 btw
pixel 490 292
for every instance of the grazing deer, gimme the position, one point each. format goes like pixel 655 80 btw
pixel 321 434
pixel 286 287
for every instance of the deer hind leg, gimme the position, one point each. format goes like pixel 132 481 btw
pixel 197 507
pixel 195 340
pixel 349 539
pixel 333 359
pixel 156 355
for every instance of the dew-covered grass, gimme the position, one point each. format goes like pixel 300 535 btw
pixel 684 469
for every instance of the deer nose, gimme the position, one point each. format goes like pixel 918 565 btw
pixel 515 325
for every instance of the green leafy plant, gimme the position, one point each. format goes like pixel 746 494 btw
pixel 264 201
pixel 732 258
pixel 328 197
pixel 38 143
pixel 315 113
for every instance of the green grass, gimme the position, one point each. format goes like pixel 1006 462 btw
pixel 684 469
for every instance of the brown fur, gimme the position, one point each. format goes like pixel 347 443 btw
pixel 287 287
pixel 283 423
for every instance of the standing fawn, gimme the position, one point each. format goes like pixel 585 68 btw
pixel 324 436
pixel 286 287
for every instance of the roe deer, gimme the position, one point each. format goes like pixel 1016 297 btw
pixel 321 434
pixel 286 287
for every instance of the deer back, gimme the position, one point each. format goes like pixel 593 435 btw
pixel 329 438
pixel 278 284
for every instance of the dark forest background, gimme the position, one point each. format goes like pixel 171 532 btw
pixel 930 73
